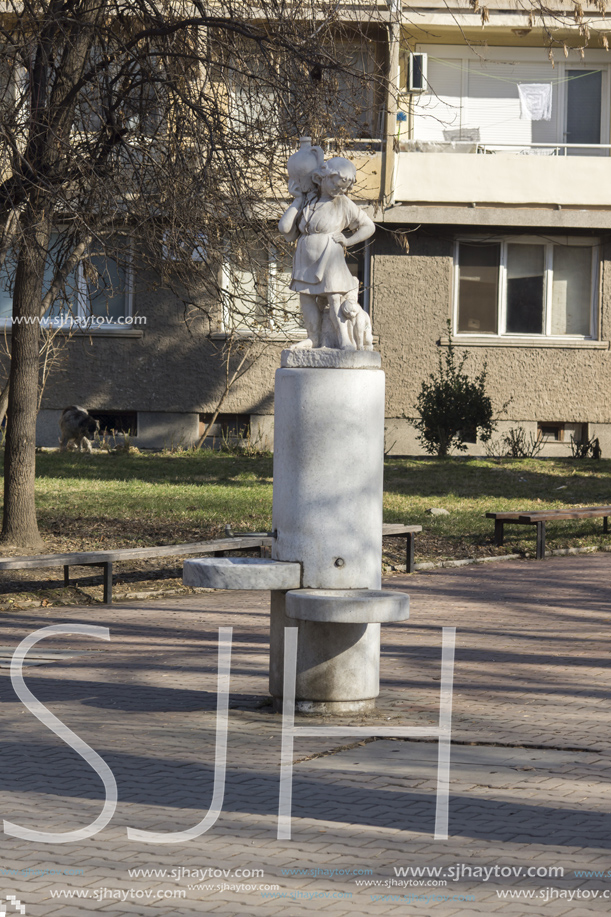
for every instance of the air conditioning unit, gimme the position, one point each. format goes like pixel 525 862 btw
pixel 416 73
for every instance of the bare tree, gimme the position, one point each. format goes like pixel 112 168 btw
pixel 154 131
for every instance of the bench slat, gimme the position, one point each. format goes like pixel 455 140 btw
pixel 597 510
pixel 107 558
pixel 570 512
pixel 391 528
pixel 73 559
pixel 92 557
pixel 574 514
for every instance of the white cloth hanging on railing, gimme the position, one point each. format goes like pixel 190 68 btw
pixel 535 101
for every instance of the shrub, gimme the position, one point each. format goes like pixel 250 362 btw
pixel 453 409
pixel 587 448
pixel 516 444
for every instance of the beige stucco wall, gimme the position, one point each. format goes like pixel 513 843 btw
pixel 412 299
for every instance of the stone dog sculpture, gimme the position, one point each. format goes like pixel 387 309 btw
pixel 317 220
pixel 76 424
pixel 359 326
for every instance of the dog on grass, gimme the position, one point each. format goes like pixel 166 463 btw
pixel 76 425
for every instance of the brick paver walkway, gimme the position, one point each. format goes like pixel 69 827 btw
pixel 530 760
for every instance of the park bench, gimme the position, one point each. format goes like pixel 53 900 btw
pixel 106 559
pixel 540 517
pixel 392 530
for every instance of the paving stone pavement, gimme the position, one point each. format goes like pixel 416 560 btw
pixel 529 783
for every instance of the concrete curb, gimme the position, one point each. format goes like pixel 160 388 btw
pixel 468 561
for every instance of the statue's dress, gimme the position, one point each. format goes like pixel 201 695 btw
pixel 319 265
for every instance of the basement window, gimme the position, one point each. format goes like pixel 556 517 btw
pixel 226 426
pixel 553 432
pixel 112 422
pixel 550 432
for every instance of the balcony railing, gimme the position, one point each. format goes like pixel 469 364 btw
pixel 524 149
pixel 546 149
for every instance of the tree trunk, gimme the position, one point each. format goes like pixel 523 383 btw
pixel 57 65
pixel 4 401
pixel 19 525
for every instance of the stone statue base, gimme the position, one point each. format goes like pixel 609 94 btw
pixel 330 358
pixel 328 480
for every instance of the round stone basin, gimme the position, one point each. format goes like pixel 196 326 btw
pixel 241 573
pixel 347 606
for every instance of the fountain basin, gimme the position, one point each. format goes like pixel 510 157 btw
pixel 241 573
pixel 347 606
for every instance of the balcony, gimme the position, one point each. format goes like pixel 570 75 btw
pixel 518 174
pixel 503 128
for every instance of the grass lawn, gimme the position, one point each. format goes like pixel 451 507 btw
pixel 103 499
pixel 469 488
pixel 116 500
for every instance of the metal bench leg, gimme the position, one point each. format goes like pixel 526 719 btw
pixel 606 525
pixel 498 532
pixel 66 575
pixel 107 582
pixel 540 540
pixel 409 553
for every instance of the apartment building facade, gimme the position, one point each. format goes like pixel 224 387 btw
pixel 488 175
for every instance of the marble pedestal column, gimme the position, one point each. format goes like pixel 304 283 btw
pixel 327 512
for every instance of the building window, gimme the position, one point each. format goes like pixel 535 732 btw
pixel 553 432
pixel 256 294
pixel 106 287
pixel 97 293
pixel 261 98
pixel 525 286
pixel 255 290
pixel 227 427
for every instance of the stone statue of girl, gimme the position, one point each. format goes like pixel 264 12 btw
pixel 318 219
